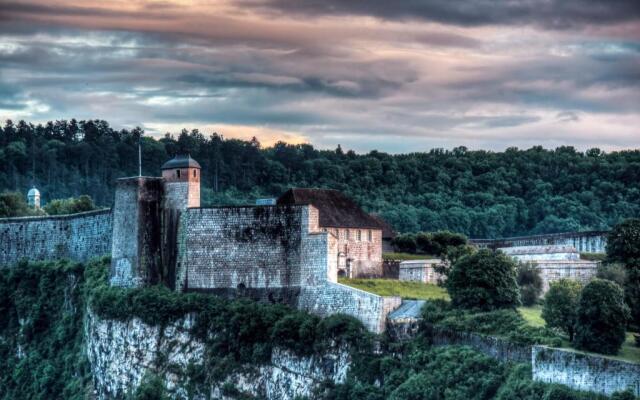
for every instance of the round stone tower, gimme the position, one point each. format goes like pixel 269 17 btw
pixel 33 197
pixel 181 177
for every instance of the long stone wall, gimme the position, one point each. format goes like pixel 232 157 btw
pixel 77 237
pixel 584 242
pixel 584 372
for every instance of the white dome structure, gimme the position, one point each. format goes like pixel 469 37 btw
pixel 33 197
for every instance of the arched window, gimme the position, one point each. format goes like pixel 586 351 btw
pixel 194 173
pixel 178 173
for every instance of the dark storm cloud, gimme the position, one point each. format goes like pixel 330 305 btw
pixel 327 72
pixel 560 14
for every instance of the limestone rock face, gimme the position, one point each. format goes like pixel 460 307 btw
pixel 122 353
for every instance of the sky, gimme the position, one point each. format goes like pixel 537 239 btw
pixel 397 76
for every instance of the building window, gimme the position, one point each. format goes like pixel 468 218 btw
pixel 358 235
pixel 370 232
pixel 194 173
pixel 347 234
pixel 178 173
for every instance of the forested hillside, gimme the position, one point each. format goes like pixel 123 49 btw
pixel 479 193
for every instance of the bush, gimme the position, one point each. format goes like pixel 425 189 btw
pixel 626 395
pixel 560 308
pixel 70 206
pixel 151 388
pixel 13 204
pixel 602 318
pixel 485 280
pixel 507 323
pixel 530 283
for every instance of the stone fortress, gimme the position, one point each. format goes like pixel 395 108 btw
pixel 290 250
pixel 157 233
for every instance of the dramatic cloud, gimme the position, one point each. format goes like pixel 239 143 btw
pixel 396 76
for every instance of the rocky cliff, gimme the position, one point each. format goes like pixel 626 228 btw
pixel 121 354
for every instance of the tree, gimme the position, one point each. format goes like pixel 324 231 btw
pixel 561 305
pixel 623 245
pixel 485 280
pixel 530 283
pixel 602 317
pixel 623 242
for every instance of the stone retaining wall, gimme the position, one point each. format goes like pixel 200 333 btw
pixel 583 371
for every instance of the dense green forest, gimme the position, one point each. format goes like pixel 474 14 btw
pixel 478 193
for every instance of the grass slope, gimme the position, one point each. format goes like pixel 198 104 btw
pixel 394 287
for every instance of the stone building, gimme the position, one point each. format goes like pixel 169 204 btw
pixel 358 234
pixel 554 263
pixel 421 271
pixel 388 234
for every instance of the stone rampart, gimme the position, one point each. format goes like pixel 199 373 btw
pixel 332 298
pixel 584 372
pixel 498 348
pixel 584 242
pixel 78 237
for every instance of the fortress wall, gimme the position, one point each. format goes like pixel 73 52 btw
pixel 277 254
pixel 584 242
pixel 78 237
pixel 584 372
pixel 332 298
pixel 240 248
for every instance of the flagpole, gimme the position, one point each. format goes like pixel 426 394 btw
pixel 140 156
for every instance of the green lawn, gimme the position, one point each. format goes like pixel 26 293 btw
pixel 628 352
pixel 406 256
pixel 532 315
pixel 393 287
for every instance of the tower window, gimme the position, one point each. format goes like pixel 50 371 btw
pixel 194 173
pixel 178 173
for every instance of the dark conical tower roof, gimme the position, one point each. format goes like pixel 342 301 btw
pixel 181 161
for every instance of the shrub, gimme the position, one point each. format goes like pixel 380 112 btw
pixel 70 206
pixel 602 318
pixel 484 280
pixel 151 388
pixel 13 204
pixel 626 395
pixel 507 323
pixel 530 283
pixel 561 306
